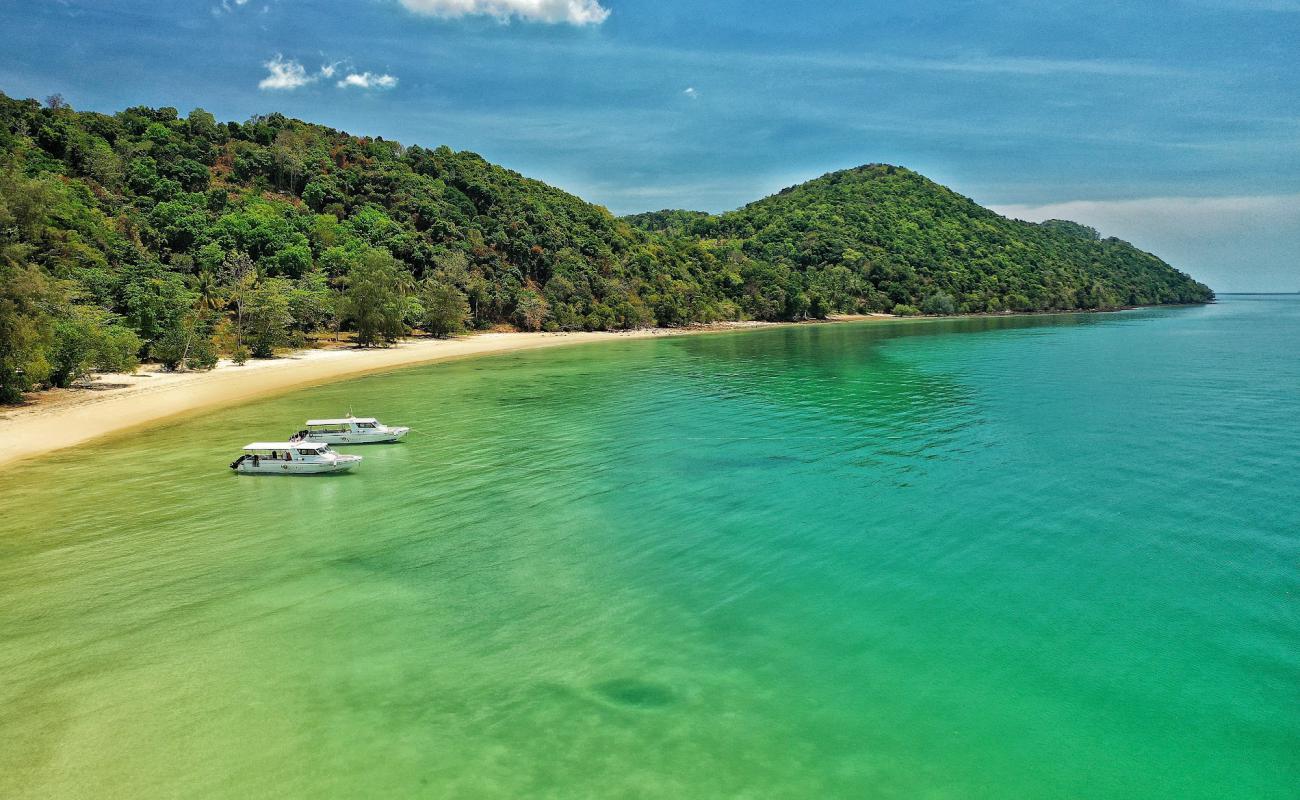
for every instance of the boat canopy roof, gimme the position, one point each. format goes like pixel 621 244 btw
pixel 284 446
pixel 343 421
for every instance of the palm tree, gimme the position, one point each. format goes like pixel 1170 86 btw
pixel 211 296
pixel 406 283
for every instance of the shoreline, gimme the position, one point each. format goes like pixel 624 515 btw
pixel 114 404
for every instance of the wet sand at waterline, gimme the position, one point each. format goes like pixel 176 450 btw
pixel 116 403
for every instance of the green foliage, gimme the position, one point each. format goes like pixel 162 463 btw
pixel 877 236
pixel 154 300
pixel 87 338
pixel 151 217
pixel 373 300
pixel 186 344
pixel 313 306
pixel 939 303
pixel 530 310
pixel 26 332
pixel 445 309
pixel 904 310
pixel 268 320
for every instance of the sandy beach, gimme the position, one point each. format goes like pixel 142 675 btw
pixel 114 403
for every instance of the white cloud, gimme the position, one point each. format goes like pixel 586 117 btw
pixel 367 80
pixel 285 74
pixel 573 12
pixel 691 93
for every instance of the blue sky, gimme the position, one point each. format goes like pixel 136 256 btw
pixel 1173 124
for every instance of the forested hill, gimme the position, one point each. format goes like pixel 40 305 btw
pixel 150 234
pixel 881 236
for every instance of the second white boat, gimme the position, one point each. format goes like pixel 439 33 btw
pixel 350 430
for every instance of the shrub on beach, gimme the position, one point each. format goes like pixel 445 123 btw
pixel 939 303
pixel 445 309
pixel 186 345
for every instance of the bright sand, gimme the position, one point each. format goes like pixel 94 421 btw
pixel 118 403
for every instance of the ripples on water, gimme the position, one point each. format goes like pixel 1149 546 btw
pixel 1037 557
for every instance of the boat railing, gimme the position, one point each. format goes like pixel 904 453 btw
pixel 278 458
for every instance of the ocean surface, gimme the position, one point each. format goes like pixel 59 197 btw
pixel 1037 557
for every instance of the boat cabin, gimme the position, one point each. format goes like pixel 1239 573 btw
pixel 287 451
pixel 294 458
pixel 345 425
pixel 349 430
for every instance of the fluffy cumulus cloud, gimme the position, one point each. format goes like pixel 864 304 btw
pixel 367 80
pixel 284 74
pixel 572 12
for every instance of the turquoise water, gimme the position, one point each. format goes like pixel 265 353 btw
pixel 1049 557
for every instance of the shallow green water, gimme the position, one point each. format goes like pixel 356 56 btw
pixel 1026 558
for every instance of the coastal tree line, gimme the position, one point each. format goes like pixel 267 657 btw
pixel 150 235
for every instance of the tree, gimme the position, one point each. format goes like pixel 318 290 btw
pixel 88 338
pixel 530 310
pixel 154 300
pixel 238 275
pixel 203 125
pixel 939 303
pixel 373 299
pixel 312 303
pixel 26 332
pixel 446 309
pixel 268 322
pixel 209 293
pixel 186 345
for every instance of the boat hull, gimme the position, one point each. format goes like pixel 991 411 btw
pixel 268 466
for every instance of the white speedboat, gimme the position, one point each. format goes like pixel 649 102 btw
pixel 292 458
pixel 349 430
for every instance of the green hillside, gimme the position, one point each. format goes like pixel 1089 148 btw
pixel 147 234
pixel 880 236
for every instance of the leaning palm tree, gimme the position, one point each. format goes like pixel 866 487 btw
pixel 407 285
pixel 211 298
pixel 211 294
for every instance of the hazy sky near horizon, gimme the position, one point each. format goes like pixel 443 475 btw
pixel 1174 124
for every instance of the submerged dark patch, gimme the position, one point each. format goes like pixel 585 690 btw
pixel 635 693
